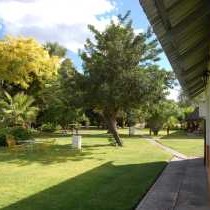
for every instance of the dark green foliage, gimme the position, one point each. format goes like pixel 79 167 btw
pixel 119 71
pixel 48 127
pixel 20 133
pixel 160 114
pixel 57 106
pixel 95 118
pixel 3 133
pixel 60 104
pixel 132 118
pixel 55 49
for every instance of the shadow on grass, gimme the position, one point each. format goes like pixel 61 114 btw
pixel 58 153
pixel 95 146
pixel 43 135
pixel 108 187
pixel 182 135
pixel 53 154
pixel 83 134
pixel 102 135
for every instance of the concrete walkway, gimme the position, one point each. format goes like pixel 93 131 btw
pixel 181 186
pixel 167 149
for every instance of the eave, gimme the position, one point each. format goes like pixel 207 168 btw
pixel 183 29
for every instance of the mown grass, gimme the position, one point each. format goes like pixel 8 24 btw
pixel 101 176
pixel 189 145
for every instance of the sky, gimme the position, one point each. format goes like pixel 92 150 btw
pixel 65 21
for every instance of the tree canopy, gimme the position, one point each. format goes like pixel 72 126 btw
pixel 164 113
pixel 121 79
pixel 119 71
pixel 55 49
pixel 23 60
pixel 59 101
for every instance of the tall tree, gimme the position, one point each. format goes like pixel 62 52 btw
pixel 118 71
pixel 59 104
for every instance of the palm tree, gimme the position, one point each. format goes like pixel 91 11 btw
pixel 18 110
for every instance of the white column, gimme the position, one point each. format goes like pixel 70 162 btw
pixel 208 115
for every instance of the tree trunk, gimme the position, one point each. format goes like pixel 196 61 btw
pixel 150 131
pixel 155 132
pixel 168 131
pixel 112 126
pixel 123 123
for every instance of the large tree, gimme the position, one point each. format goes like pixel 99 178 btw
pixel 119 72
pixel 59 102
pixel 24 60
pixel 49 96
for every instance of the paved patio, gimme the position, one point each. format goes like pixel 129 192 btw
pixel 182 186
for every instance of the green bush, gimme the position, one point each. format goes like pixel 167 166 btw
pixel 20 133
pixel 48 127
pixel 3 133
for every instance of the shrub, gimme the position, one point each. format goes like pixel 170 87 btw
pixel 20 133
pixel 58 127
pixel 48 127
pixel 3 133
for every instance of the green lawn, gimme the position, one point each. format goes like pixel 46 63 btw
pixel 188 145
pixel 101 177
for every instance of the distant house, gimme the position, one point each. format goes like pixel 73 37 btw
pixel 194 123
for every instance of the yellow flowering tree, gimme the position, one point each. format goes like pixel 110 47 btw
pixel 23 60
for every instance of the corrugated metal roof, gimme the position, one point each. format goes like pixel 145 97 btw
pixel 183 29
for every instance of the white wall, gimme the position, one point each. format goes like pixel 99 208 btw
pixel 204 111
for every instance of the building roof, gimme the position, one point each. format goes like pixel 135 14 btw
pixel 194 116
pixel 183 29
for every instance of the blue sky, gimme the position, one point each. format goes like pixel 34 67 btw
pixel 65 21
pixel 139 22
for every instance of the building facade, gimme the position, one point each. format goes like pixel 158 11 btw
pixel 183 29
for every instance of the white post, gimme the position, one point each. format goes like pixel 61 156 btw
pixel 77 142
pixel 132 130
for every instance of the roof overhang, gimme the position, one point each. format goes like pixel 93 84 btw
pixel 183 29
